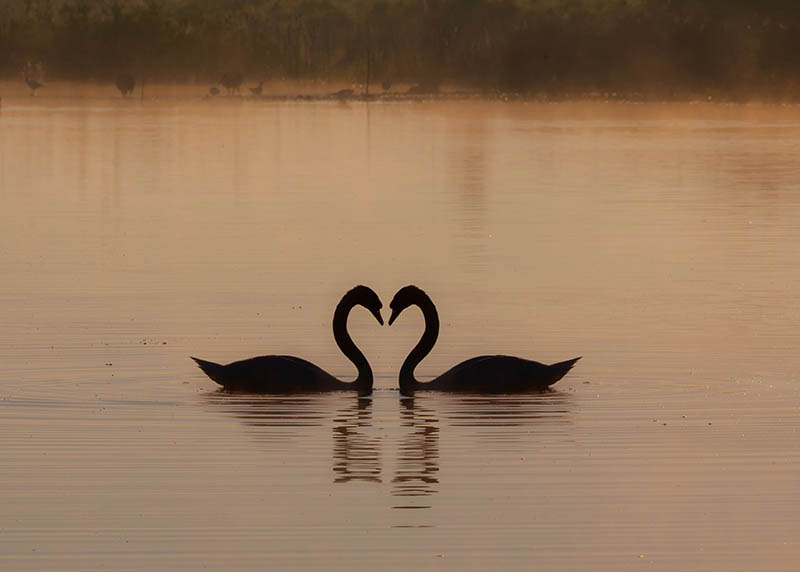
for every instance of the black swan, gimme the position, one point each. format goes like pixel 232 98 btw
pixel 288 374
pixel 483 374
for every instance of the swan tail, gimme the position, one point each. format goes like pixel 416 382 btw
pixel 211 369
pixel 561 368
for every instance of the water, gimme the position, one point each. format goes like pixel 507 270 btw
pixel 657 241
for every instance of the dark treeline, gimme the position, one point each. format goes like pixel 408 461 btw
pixel 661 46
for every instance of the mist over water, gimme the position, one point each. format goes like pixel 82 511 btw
pixel 737 50
pixel 658 241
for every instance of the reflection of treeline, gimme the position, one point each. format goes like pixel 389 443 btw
pixel 544 45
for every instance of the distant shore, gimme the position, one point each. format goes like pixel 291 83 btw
pixel 312 91
pixel 677 49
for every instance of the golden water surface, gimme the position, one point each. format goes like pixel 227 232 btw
pixel 660 242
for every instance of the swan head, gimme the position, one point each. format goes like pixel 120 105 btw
pixel 367 297
pixel 405 297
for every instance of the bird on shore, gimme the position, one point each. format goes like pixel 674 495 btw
pixel 33 84
pixel 32 75
pixel 213 91
pixel 231 81
pixel 125 84
pixel 258 89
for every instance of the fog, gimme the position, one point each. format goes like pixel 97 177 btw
pixel 666 49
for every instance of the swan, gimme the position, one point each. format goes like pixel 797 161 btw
pixel 288 374
pixel 483 374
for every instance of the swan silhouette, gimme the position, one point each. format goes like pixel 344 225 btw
pixel 483 374
pixel 288 374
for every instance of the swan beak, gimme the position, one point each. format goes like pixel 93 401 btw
pixel 393 317
pixel 378 316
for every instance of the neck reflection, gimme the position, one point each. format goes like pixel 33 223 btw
pixel 356 454
pixel 417 473
pixel 504 426
pixel 290 424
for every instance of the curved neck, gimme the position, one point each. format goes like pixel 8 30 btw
pixel 346 344
pixel 425 344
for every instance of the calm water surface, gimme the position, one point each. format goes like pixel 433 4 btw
pixel 660 242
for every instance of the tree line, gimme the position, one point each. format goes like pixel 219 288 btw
pixel 550 46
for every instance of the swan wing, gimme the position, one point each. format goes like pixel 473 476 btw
pixel 274 374
pixel 498 374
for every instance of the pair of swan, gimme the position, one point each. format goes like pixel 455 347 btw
pixel 288 374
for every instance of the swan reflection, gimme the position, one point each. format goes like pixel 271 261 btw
pixel 508 410
pixel 362 436
pixel 268 410
pixel 356 454
pixel 279 419
pixel 417 473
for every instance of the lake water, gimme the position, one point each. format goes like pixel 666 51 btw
pixel 660 242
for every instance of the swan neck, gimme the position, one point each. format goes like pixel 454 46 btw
pixel 346 344
pixel 424 346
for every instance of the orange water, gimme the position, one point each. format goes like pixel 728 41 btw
pixel 660 242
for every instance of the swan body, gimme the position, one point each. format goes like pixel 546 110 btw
pixel 272 374
pixel 498 374
pixel 289 374
pixel 482 374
